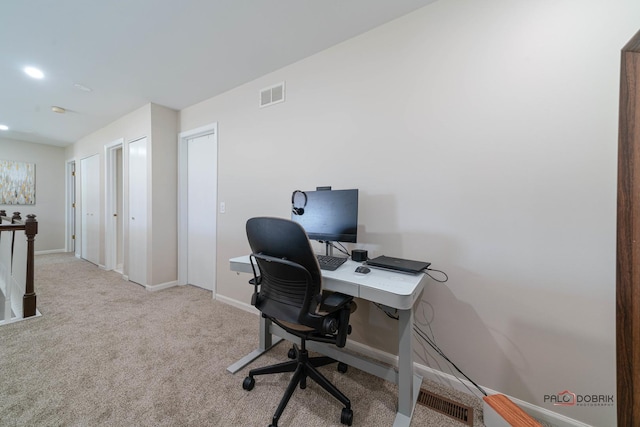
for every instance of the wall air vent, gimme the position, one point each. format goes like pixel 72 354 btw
pixel 272 95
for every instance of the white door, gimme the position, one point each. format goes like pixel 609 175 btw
pixel 137 266
pixel 201 210
pixel 90 214
pixel 113 218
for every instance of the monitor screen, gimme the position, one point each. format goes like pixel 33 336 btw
pixel 330 215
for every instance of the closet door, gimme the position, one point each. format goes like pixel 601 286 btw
pixel 202 176
pixel 90 207
pixel 138 223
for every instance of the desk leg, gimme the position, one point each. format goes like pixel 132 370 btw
pixel 267 341
pixel 408 383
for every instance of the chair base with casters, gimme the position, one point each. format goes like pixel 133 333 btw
pixel 303 367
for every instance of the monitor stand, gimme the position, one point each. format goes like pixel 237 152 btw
pixel 328 248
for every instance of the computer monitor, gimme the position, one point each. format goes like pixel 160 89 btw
pixel 327 215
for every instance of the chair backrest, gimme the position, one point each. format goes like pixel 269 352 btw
pixel 291 280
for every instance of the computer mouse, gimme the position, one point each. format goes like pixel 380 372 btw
pixel 363 270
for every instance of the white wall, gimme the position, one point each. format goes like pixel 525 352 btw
pixel 159 124
pixel 50 195
pixel 164 191
pixel 132 126
pixel 482 137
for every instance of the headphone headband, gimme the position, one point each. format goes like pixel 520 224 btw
pixel 298 210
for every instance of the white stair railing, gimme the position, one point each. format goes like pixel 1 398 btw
pixel 5 274
pixel 17 296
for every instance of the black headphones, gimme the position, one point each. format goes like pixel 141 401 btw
pixel 298 210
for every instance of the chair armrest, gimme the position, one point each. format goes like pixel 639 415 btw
pixel 334 301
pixel 338 307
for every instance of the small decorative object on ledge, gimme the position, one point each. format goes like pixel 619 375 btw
pixel 17 183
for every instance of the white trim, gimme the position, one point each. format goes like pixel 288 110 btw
pixel 161 286
pixel 51 251
pixel 70 213
pixel 183 138
pixel 543 414
pixel 20 319
pixel 238 304
pixel 491 418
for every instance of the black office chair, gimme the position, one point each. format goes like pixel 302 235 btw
pixel 288 291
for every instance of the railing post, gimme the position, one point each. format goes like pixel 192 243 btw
pixel 29 299
pixel 15 217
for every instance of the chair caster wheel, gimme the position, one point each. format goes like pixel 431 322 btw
pixel 346 417
pixel 342 367
pixel 292 353
pixel 248 383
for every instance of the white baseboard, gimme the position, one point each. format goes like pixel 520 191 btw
pixel 20 319
pixel 553 418
pixel 50 251
pixel 161 286
pixel 491 418
pixel 237 304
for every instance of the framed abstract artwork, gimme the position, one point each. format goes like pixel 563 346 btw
pixel 17 183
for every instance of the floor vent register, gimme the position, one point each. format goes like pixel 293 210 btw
pixel 445 406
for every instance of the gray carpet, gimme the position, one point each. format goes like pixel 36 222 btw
pixel 107 352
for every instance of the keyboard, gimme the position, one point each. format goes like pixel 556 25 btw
pixel 330 262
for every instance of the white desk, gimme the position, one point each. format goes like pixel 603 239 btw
pixel 396 290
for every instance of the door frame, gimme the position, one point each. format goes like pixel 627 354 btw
pixel 70 207
pixel 183 206
pixel 111 202
pixel 628 236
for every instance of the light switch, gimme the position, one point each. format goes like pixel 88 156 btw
pixel 223 207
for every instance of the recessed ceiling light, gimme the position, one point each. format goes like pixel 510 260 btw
pixel 34 72
pixel 4 127
pixel 82 87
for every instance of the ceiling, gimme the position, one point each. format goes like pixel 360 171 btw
pixel 170 52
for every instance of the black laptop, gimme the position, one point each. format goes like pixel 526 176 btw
pixel 398 264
